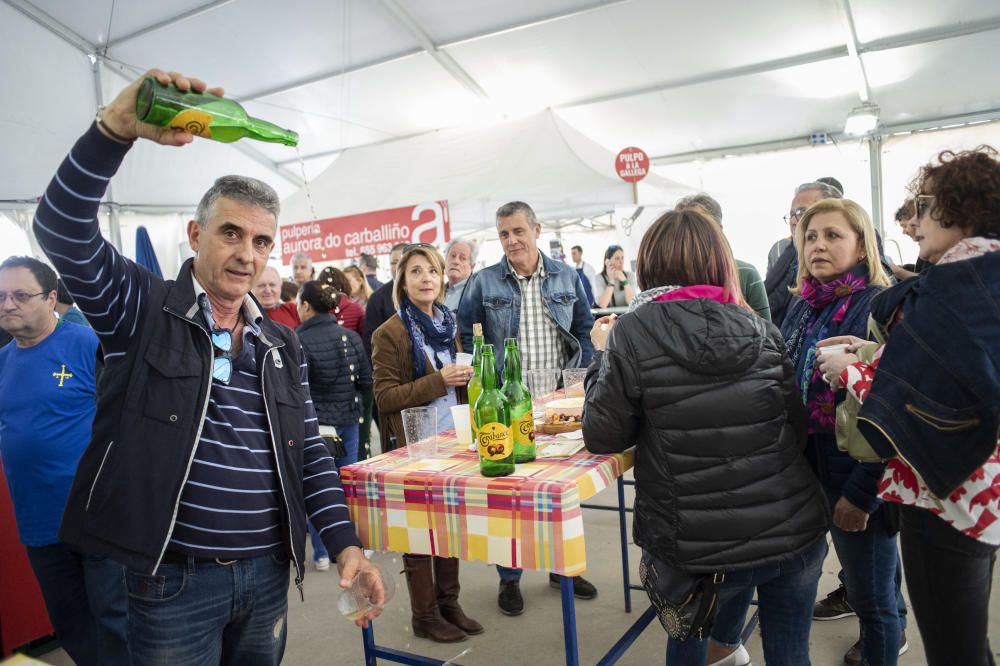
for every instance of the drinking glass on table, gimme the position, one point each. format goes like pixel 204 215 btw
pixel 462 417
pixel 420 431
pixel 573 381
pixel 541 384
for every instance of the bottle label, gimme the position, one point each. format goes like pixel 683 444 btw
pixel 494 441
pixel 523 429
pixel 194 121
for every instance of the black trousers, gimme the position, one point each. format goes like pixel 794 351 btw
pixel 949 576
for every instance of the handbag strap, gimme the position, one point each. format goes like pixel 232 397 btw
pixel 702 621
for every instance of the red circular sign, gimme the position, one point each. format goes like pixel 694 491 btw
pixel 632 164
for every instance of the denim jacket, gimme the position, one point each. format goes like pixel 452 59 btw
pixel 493 298
pixel 935 400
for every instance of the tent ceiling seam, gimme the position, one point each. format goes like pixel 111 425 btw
pixel 864 90
pixel 51 24
pixel 330 74
pixel 167 22
pixel 447 63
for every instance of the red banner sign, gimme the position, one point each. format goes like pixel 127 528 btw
pixel 372 233
pixel 632 164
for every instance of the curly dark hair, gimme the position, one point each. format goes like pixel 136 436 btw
pixel 966 189
pixel 322 297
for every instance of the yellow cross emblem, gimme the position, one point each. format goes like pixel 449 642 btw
pixel 62 375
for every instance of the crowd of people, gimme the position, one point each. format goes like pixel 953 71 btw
pixel 195 427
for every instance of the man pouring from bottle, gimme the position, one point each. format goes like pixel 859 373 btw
pixel 206 457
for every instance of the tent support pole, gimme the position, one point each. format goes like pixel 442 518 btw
pixel 875 163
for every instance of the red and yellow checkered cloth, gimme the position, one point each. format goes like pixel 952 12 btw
pixel 442 506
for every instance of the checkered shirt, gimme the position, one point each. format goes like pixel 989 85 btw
pixel 541 344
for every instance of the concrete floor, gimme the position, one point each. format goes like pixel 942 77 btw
pixel 319 635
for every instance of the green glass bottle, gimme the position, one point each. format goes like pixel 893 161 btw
pixel 205 115
pixel 476 383
pixel 522 418
pixel 496 447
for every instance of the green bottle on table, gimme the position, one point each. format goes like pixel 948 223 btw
pixel 522 418
pixel 476 383
pixel 205 115
pixel 496 447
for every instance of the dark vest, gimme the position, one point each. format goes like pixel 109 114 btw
pixel 150 407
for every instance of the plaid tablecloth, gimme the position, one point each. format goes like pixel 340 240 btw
pixel 442 506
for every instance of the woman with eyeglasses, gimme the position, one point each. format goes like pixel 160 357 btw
pixel 703 389
pixel 613 286
pixel 413 355
pixel 339 373
pixel 839 271
pixel 931 404
pixel 360 290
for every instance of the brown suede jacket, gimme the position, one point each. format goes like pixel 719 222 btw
pixel 395 388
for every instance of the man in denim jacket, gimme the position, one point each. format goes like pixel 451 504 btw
pixel 542 303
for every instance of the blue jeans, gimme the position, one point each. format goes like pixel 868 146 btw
pixel 348 433
pixel 786 591
pixel 509 575
pixel 727 629
pixel 87 603
pixel 205 613
pixel 872 573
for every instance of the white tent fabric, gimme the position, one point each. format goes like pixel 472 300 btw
pixel 670 77
pixel 539 159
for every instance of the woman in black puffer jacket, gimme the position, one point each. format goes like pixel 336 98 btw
pixel 339 371
pixel 705 391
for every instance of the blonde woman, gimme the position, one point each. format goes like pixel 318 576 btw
pixel 839 273
pixel 361 291
pixel 413 354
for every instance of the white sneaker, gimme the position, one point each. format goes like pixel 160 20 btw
pixel 738 658
pixel 322 564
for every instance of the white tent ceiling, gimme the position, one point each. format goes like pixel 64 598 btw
pixel 672 77
pixel 539 159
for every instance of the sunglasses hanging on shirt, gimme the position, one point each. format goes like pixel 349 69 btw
pixel 222 368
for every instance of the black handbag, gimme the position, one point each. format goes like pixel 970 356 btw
pixel 685 603
pixel 334 443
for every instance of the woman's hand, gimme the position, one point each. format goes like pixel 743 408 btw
pixel 848 517
pixel 456 375
pixel 601 330
pixel 832 366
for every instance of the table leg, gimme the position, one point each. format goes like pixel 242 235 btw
pixel 569 620
pixel 368 637
pixel 623 533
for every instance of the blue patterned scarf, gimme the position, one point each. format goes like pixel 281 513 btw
pixel 425 330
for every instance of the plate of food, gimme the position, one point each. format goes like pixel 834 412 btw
pixel 565 415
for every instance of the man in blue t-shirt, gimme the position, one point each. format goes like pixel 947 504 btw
pixel 47 403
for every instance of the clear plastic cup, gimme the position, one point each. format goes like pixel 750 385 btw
pixel 463 425
pixel 420 431
pixel 461 358
pixel 541 383
pixel 832 350
pixel 365 594
pixel 573 381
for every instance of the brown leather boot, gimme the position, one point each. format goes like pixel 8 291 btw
pixel 446 580
pixel 427 620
